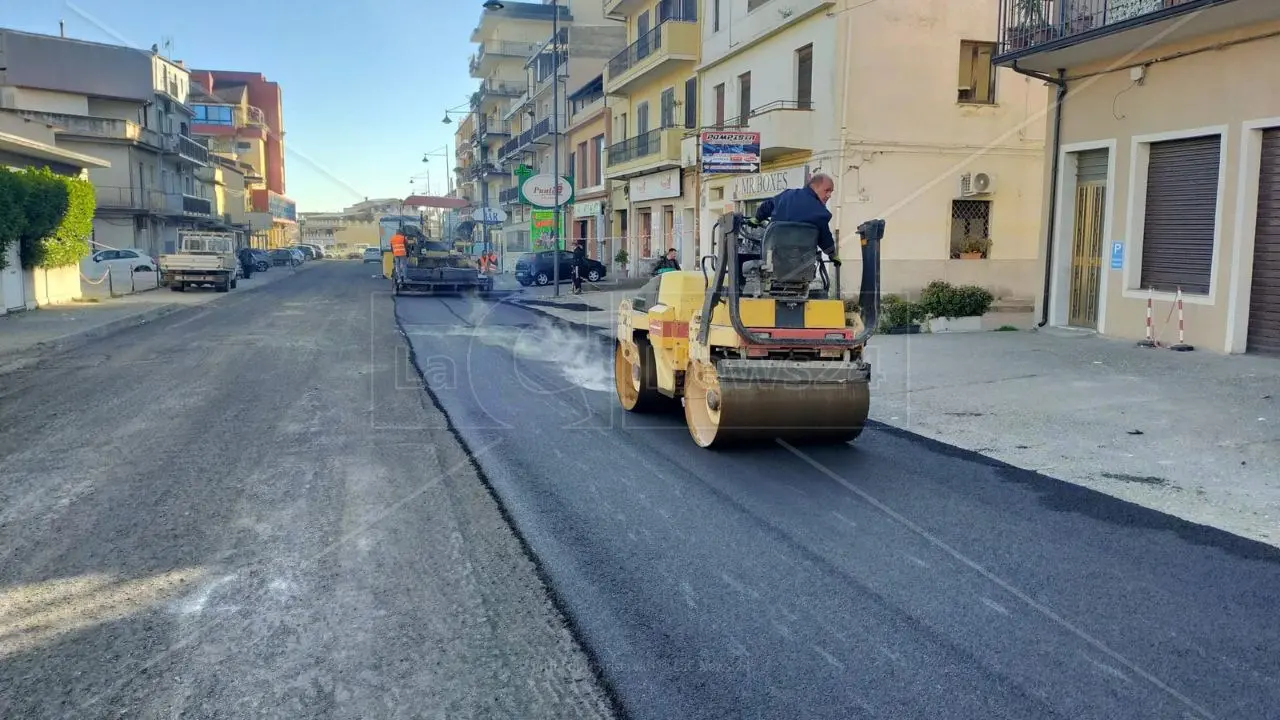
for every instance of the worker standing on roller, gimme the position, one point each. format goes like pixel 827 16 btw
pixel 806 204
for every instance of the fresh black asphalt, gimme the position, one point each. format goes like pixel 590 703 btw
pixel 894 578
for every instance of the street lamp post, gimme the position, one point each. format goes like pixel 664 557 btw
pixel 555 135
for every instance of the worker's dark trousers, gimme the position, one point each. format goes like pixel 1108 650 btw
pixel 577 279
pixel 248 270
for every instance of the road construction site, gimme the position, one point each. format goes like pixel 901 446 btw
pixel 368 506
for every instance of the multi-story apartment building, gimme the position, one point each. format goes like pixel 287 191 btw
pixel 243 115
pixel 654 81
pixel 539 119
pixel 507 38
pixel 758 74
pixel 128 107
pixel 1163 174
pixel 932 137
pixel 588 136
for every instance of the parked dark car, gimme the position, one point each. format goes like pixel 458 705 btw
pixel 306 251
pixel 261 260
pixel 538 268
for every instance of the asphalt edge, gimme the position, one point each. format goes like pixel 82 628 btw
pixel 81 338
pixel 558 601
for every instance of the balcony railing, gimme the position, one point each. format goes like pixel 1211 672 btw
pixel 502 88
pixel 1025 24
pixel 508 196
pixel 543 127
pixel 187 147
pixel 184 204
pixel 644 46
pixel 128 198
pixel 92 126
pixel 634 148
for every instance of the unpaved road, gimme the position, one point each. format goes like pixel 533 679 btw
pixel 897 578
pixel 251 509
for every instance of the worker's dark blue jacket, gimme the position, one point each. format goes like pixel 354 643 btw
pixel 800 205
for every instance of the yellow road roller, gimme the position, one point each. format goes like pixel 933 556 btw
pixel 756 344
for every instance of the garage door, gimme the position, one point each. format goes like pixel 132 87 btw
pixel 1264 299
pixel 1182 199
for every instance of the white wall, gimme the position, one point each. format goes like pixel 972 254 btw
pixel 774 74
pixel 738 28
pixel 43 101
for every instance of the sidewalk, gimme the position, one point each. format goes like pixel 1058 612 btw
pixel 24 335
pixel 1195 435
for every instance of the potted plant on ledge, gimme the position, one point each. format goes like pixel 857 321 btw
pixel 973 249
pixel 899 316
pixel 621 258
pixel 955 309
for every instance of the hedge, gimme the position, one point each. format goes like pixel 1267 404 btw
pixel 49 215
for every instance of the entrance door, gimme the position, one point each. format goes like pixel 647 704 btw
pixel 1264 297
pixel 1086 238
pixel 11 281
pixel 645 232
pixel 584 233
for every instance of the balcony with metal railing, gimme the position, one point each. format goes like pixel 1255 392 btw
pixel 645 153
pixel 494 52
pixel 187 148
pixel 1044 35
pixel 128 199
pixel 675 40
pixel 89 126
pixel 546 125
pixel 189 205
pixel 509 196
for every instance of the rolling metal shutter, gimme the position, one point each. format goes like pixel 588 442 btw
pixel 1182 198
pixel 1264 298
pixel 1091 166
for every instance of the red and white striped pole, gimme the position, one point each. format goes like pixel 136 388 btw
pixel 1182 345
pixel 1149 341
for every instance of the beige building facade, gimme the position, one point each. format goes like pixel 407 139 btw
pixel 947 148
pixel 587 138
pixel 1165 176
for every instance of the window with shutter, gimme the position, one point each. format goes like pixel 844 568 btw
pixel 977 81
pixel 1181 212
pixel 804 77
pixel 744 98
pixel 719 92
pixel 691 103
pixel 668 108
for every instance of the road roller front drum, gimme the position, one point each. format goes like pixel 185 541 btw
pixel 761 402
pixel 635 376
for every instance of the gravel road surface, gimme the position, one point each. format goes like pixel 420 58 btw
pixel 251 509
pixel 898 578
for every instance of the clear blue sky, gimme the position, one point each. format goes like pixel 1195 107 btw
pixel 365 84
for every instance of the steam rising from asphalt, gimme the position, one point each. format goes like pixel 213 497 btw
pixel 578 355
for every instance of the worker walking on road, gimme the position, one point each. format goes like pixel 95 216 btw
pixel 246 262
pixel 579 265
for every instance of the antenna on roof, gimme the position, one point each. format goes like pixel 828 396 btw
pixel 62 28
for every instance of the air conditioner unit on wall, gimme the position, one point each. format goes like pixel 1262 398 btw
pixel 976 183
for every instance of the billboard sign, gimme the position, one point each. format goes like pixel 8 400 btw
pixel 729 152
pixel 544 191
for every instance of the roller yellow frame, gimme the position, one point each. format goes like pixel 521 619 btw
pixel 781 362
